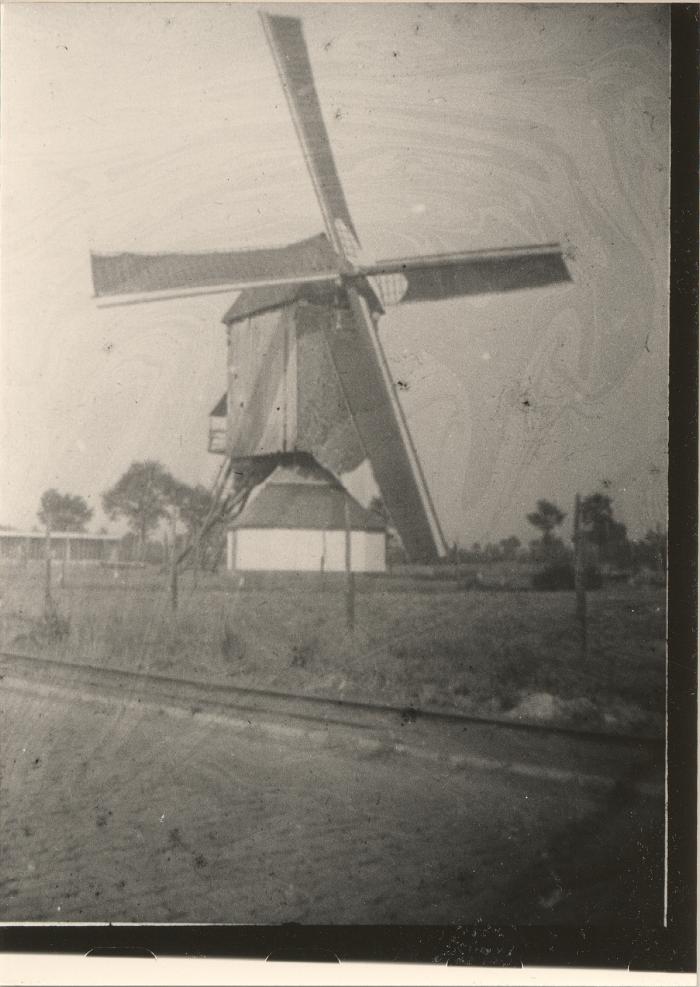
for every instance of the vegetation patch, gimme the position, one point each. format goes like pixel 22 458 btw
pixel 304 648
pixel 562 576
pixel 478 652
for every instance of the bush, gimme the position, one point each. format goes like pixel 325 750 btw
pixel 51 628
pixel 561 576
pixel 517 669
pixel 304 649
pixel 232 645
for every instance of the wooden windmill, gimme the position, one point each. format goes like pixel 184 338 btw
pixel 306 370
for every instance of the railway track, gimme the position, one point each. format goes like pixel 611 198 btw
pixel 562 751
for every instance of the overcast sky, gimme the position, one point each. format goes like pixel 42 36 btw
pixel 163 127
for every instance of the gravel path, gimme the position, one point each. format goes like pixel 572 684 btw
pixel 113 813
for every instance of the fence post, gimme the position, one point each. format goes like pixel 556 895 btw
pixel 64 559
pixel 173 565
pixel 173 583
pixel 196 552
pixel 580 578
pixel 48 600
pixel 349 574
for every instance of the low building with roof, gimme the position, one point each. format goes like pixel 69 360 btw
pixel 68 546
pixel 298 520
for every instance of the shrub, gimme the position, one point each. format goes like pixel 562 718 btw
pixel 53 626
pixel 561 576
pixel 232 646
pixel 514 671
pixel 304 649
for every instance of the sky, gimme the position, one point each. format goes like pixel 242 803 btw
pixel 148 127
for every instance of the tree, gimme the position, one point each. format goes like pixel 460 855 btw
pixel 509 547
pixel 597 518
pixel 650 552
pixel 141 496
pixel 130 550
pixel 191 503
pixel 63 512
pixel 602 530
pixel 192 506
pixel 546 518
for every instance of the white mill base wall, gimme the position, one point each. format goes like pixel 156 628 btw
pixel 291 550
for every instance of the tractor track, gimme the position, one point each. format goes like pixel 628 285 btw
pixel 560 752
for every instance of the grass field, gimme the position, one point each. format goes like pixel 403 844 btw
pixel 417 641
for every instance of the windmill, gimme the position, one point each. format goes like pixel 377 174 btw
pixel 307 373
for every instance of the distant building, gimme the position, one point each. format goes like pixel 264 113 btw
pixel 71 546
pixel 295 521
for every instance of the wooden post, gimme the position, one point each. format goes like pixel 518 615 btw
pixel 580 577
pixel 173 565
pixel 196 552
pixel 173 583
pixel 48 601
pixel 349 574
pixel 64 559
pixel 230 549
pixel 322 561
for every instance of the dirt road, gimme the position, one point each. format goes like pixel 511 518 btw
pixel 114 813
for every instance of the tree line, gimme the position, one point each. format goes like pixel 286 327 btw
pixel 605 537
pixel 144 496
pixel 148 494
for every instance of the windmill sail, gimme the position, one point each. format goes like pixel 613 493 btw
pixel 441 276
pixel 355 348
pixel 152 277
pixel 367 384
pixel 286 40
